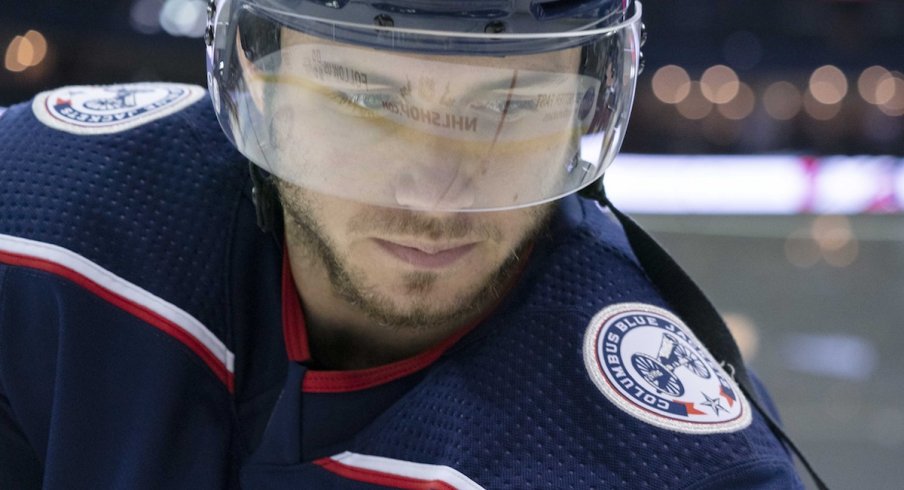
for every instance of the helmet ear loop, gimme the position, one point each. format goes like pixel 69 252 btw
pixel 265 197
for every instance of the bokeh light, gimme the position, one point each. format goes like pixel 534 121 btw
pixel 801 250
pixel 12 59
pixel 828 84
pixel 782 100
pixel 741 105
pixel 831 232
pixel 719 84
pixel 829 238
pixel 695 105
pixel 145 16
pixel 868 83
pixel 26 51
pixel 890 94
pixel 818 110
pixel 671 84
pixel 39 44
pixel 184 17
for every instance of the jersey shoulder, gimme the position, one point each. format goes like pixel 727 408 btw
pixel 586 379
pixel 136 180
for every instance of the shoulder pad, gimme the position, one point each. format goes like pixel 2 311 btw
pixel 96 109
pixel 153 205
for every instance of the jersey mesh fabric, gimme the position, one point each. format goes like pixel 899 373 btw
pixel 100 197
pixel 513 406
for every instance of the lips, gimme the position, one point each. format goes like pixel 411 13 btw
pixel 426 256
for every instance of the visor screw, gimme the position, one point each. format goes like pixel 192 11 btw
pixel 641 62
pixel 643 34
pixel 211 9
pixel 383 20
pixel 208 35
pixel 494 27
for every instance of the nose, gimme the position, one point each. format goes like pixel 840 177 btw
pixel 436 186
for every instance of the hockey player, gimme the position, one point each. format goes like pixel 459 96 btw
pixel 430 304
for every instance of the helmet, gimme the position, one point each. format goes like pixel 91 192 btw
pixel 434 105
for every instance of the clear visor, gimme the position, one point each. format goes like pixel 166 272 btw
pixel 436 132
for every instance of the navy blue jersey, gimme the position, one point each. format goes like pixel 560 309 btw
pixel 151 337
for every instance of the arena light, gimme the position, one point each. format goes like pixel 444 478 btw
pixel 695 105
pixel 184 17
pixel 671 84
pixel 708 184
pixel 868 83
pixel 898 187
pixel 782 100
pixel 890 91
pixel 828 85
pixel 144 16
pixel 741 105
pixel 719 84
pixel 819 110
pixel 12 59
pixel 884 90
pixel 39 46
pixel 26 51
pixel 818 354
pixel 801 250
pixel 749 184
pixel 836 240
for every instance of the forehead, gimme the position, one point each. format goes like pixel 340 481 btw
pixel 563 61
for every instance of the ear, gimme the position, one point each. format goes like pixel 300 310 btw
pixel 253 78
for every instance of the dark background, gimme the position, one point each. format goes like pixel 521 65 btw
pixel 764 41
pixel 825 337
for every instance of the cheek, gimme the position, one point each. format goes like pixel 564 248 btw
pixel 515 226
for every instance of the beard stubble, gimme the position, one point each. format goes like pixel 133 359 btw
pixel 350 284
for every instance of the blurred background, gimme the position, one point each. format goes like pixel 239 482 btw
pixel 765 151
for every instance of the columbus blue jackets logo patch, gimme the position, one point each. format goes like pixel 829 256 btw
pixel 113 108
pixel 649 364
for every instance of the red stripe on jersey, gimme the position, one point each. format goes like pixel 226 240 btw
pixel 294 330
pixel 327 381
pixel 381 478
pixel 140 311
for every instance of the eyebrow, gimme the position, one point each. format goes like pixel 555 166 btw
pixel 526 79
pixel 335 74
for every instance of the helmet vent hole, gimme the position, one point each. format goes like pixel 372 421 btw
pixel 383 20
pixel 557 9
pixel 494 27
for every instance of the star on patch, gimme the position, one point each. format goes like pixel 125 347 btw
pixel 713 403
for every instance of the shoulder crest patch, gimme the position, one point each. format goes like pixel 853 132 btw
pixel 647 362
pixel 92 110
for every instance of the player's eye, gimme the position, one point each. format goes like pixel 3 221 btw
pixel 513 108
pixel 364 105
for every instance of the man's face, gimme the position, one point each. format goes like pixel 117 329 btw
pixel 374 150
pixel 409 269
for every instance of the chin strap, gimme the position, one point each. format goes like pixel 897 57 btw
pixel 266 201
pixel 692 306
